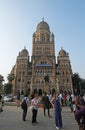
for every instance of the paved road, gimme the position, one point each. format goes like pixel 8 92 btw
pixel 11 119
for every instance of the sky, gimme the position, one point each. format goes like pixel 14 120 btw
pixel 18 22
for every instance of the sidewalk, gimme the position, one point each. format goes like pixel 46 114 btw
pixel 11 118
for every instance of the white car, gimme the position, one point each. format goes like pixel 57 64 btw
pixel 7 98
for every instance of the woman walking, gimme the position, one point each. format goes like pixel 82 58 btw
pixel 35 105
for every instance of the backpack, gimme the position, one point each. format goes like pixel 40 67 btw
pixel 24 104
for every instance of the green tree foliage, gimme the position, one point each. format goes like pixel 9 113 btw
pixel 1 80
pixel 8 88
pixel 83 83
pixel 82 86
pixel 10 77
pixel 76 82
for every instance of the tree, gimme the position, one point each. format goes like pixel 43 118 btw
pixel 76 83
pixel 1 80
pixel 8 88
pixel 10 77
pixel 82 86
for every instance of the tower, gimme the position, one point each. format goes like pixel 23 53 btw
pixel 64 72
pixel 43 57
pixel 21 72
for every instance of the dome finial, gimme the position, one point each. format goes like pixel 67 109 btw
pixel 43 19
pixel 62 48
pixel 24 47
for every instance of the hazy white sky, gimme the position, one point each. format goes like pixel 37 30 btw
pixel 19 19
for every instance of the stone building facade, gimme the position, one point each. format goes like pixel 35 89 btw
pixel 31 75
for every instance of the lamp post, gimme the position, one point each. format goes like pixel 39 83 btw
pixel 21 85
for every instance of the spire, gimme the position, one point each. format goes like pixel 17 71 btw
pixel 62 48
pixel 24 47
pixel 43 19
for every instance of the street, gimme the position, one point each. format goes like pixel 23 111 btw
pixel 11 119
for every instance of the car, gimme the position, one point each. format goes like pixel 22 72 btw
pixel 8 98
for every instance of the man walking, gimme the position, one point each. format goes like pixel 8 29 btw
pixel 24 106
pixel 46 104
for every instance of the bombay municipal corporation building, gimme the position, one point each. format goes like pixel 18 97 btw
pixel 45 71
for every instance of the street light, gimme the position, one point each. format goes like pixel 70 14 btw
pixel 21 85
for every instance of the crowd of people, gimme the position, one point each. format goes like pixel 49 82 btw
pixel 56 101
pixel 76 104
pixel 49 101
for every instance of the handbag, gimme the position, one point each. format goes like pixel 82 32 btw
pixel 31 107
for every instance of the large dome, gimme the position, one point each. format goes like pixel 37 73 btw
pixel 43 26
